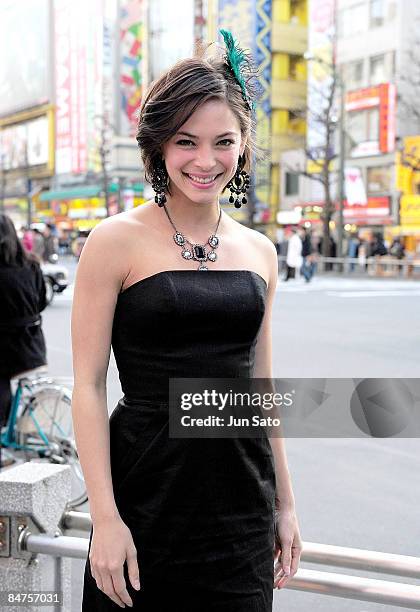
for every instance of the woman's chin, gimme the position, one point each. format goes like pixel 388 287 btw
pixel 200 196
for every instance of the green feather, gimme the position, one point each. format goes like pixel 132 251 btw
pixel 235 57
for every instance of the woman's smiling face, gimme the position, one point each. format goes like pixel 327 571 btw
pixel 203 155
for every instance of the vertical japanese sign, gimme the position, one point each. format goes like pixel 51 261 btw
pixel 82 62
pixel 263 62
pixel 321 47
pixel 132 16
pixel 250 23
pixel 94 71
pixel 63 155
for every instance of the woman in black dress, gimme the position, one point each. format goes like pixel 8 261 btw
pixel 181 524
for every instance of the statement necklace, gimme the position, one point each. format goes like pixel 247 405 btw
pixel 198 252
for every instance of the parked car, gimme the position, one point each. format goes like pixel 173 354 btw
pixel 55 276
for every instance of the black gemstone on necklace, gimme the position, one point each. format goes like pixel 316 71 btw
pixel 199 252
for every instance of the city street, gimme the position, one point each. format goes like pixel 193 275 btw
pixel 299 119
pixel 362 493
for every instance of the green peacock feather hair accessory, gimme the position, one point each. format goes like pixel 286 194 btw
pixel 239 62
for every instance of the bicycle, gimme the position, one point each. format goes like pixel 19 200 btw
pixel 40 425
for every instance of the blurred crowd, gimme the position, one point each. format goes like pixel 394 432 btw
pixel 46 241
pixel 300 251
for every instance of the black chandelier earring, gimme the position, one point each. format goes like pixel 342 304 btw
pixel 239 184
pixel 160 182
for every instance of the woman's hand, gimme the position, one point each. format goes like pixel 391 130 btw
pixel 112 544
pixel 287 546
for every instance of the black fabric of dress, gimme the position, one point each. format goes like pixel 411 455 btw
pixel 201 511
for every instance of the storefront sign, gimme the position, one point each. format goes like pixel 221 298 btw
pixel 382 97
pixel 376 211
pixel 410 210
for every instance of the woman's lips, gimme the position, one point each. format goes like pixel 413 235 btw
pixel 202 182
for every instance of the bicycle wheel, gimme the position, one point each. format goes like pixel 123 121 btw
pixel 45 429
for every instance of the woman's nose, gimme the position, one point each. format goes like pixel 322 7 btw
pixel 205 158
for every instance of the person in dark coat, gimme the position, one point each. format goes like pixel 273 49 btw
pixel 22 343
pixel 50 243
pixel 378 246
pixel 308 266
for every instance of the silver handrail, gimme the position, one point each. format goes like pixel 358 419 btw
pixel 355 587
pixel 325 554
pixel 366 560
pixel 323 583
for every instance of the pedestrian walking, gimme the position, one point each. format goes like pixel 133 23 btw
pixel 38 246
pixel 294 255
pixel 308 256
pixel 378 247
pixel 22 344
pixel 397 249
pixel 353 249
pixel 50 243
pixel 181 289
pixel 27 239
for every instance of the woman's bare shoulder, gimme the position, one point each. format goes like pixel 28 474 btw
pixel 124 224
pixel 256 238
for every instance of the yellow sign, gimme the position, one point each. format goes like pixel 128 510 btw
pixel 316 167
pixel 410 210
pixel 406 161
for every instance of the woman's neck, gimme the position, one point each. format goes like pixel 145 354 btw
pixel 197 220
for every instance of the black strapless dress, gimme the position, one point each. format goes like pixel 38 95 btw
pixel 201 511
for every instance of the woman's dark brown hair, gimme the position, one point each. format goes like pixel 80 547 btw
pixel 12 252
pixel 177 94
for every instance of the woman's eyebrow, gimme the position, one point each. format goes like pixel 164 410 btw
pixel 193 136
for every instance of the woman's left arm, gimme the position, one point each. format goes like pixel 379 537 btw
pixel 288 544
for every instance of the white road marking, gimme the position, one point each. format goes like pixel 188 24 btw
pixel 368 294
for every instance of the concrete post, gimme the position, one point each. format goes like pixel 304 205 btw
pixel 33 497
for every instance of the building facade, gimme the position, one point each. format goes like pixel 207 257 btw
pixel 376 44
pixel 376 40
pixel 289 39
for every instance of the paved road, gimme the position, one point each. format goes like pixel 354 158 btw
pixel 362 493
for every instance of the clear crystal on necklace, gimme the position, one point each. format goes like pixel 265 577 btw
pixel 202 267
pixel 186 254
pixel 212 256
pixel 213 241
pixel 179 238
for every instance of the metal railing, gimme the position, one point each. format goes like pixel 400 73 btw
pixel 321 582
pixel 378 266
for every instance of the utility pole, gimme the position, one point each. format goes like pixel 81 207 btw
pixel 28 184
pixel 104 151
pixel 341 175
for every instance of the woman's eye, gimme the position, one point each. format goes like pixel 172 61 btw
pixel 185 143
pixel 226 142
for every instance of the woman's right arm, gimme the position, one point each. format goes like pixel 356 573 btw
pixel 100 274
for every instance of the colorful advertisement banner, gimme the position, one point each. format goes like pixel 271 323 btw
pixel 63 128
pixel 132 26
pixel 250 23
pixel 321 48
pixel 83 56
